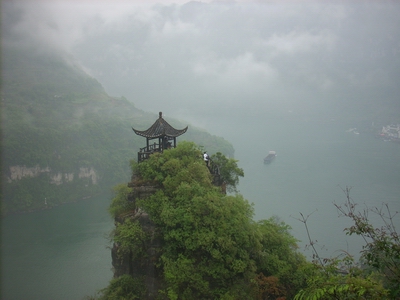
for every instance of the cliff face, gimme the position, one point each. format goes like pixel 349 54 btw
pixel 143 266
pixel 27 189
pixel 55 177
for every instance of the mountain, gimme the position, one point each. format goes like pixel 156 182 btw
pixel 63 137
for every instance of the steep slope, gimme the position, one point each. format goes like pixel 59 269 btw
pixel 63 137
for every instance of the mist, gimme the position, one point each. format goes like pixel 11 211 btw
pixel 215 62
pixel 289 76
pixel 255 73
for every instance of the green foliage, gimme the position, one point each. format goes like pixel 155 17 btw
pixel 381 251
pixel 329 283
pixel 130 238
pixel 211 247
pixel 183 163
pixel 340 278
pixel 279 256
pixel 120 204
pixel 124 287
pixel 211 239
pixel 228 169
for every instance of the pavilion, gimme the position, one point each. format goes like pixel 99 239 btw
pixel 161 130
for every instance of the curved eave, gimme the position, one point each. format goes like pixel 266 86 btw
pixel 170 133
pixel 179 132
pixel 141 133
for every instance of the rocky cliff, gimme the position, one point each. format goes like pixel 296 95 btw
pixel 31 188
pixel 55 177
pixel 143 266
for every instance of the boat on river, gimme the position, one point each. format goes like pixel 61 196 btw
pixel 270 157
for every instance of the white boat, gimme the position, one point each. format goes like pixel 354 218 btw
pixel 270 157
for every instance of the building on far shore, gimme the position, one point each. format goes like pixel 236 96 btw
pixel 391 132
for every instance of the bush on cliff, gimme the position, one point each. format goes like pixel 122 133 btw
pixel 125 288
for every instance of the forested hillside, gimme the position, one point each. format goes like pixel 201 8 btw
pixel 63 137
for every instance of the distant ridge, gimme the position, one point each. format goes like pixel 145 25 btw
pixel 64 135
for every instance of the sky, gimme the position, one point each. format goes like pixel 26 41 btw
pixel 205 60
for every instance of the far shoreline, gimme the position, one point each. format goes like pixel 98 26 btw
pixel 47 207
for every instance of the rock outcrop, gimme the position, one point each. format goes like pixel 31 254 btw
pixel 145 265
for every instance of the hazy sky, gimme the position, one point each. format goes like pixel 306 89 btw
pixel 201 60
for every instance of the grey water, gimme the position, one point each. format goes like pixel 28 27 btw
pixel 62 253
pixel 316 159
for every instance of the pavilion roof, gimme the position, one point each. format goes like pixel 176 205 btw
pixel 160 128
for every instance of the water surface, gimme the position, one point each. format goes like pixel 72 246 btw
pixel 60 253
pixel 315 161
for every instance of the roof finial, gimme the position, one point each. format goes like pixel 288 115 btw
pixel 160 113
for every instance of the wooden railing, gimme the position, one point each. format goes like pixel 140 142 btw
pixel 145 152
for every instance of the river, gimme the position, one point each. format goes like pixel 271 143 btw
pixel 62 253
pixel 316 159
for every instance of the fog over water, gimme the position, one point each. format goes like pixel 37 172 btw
pixel 289 76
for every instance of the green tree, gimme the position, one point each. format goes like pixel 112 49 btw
pixel 279 256
pixel 209 241
pixel 227 169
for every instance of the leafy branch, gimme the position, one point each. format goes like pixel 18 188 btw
pixel 381 253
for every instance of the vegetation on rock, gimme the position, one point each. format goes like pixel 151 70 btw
pixel 211 248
